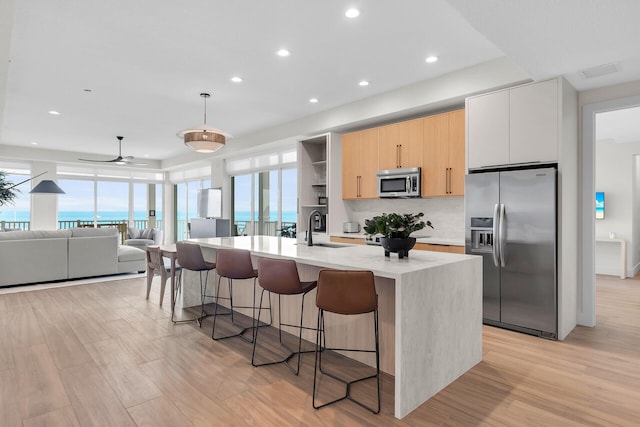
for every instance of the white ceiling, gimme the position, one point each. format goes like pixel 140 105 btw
pixel 146 61
pixel 622 126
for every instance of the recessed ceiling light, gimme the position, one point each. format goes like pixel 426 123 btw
pixel 352 13
pixel 54 113
pixel 283 52
pixel 313 100
pixel 236 79
pixel 34 143
pixel 364 83
pixel 431 59
pixel 146 155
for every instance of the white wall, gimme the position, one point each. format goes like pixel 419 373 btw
pixel 614 176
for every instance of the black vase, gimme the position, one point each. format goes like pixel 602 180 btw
pixel 401 245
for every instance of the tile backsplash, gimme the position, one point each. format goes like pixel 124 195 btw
pixel 446 214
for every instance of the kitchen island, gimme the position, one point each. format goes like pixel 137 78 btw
pixel 430 307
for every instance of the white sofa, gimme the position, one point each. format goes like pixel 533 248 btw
pixel 44 256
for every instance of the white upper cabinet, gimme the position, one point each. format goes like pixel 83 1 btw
pixel 488 130
pixel 514 126
pixel 533 132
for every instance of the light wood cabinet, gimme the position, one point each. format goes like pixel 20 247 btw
pixel 400 145
pixel 349 240
pixel 444 154
pixel 514 126
pixel 359 164
pixel 439 248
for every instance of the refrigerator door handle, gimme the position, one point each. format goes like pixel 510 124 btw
pixel 496 255
pixel 501 237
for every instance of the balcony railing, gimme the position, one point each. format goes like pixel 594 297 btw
pixel 242 228
pixel 64 224
pixel 15 225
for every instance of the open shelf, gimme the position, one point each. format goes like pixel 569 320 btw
pixel 314 206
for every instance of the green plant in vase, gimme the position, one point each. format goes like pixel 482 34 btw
pixel 396 230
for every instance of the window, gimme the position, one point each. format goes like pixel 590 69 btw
pixel 264 192
pixel 139 204
pixel 18 213
pixel 77 204
pixel 112 202
pixel 102 195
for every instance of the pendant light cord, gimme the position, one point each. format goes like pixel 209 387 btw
pixel 205 96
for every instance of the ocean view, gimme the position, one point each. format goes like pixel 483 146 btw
pixel 14 215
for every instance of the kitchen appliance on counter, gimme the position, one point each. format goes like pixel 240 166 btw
pixel 399 182
pixel 511 221
pixel 351 227
pixel 371 240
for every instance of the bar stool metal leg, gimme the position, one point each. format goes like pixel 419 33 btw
pixel 318 367
pixel 255 322
pixel 292 352
pixel 345 292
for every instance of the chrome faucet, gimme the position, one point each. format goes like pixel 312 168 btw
pixel 310 227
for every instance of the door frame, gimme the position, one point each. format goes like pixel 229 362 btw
pixel 587 292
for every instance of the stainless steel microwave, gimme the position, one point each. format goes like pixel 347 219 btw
pixel 399 182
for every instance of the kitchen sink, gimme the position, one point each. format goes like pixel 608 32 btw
pixel 326 245
pixel 330 245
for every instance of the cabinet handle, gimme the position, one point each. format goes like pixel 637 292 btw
pixel 448 180
pixel 399 155
pixel 358 186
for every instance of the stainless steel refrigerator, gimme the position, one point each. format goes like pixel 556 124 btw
pixel 510 220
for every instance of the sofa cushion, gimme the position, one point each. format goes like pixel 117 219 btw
pixel 133 233
pixel 129 253
pixel 92 232
pixel 147 233
pixel 35 234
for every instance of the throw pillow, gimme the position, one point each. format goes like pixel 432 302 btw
pixel 133 233
pixel 147 233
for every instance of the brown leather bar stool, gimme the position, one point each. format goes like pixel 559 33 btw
pixel 156 266
pixel 235 264
pixel 280 276
pixel 190 258
pixel 348 293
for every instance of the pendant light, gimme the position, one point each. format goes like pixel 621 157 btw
pixel 204 138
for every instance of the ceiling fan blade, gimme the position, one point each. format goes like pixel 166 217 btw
pixel 99 161
pixel 128 160
pixel 131 161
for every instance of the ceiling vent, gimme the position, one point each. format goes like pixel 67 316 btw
pixel 600 70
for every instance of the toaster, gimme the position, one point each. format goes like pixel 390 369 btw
pixel 350 227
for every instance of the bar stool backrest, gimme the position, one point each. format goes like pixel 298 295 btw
pixel 279 276
pixel 346 291
pixel 190 256
pixel 234 264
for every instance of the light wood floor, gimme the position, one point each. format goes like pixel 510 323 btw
pixel 100 354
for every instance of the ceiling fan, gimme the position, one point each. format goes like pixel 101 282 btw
pixel 128 160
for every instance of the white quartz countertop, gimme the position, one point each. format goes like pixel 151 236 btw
pixel 345 257
pixel 422 239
